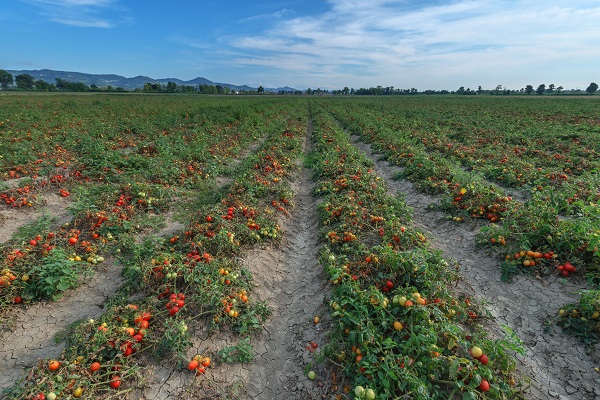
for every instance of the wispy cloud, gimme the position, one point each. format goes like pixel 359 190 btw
pixel 274 15
pixel 396 42
pixel 80 13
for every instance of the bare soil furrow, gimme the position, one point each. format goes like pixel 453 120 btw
pixel 558 364
pixel 291 280
pixel 288 277
pixel 35 328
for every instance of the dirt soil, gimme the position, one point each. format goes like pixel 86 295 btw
pixel 35 327
pixel 12 219
pixel 558 364
pixel 290 280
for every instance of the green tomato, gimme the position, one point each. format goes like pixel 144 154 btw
pixel 359 391
pixel 51 396
pixel 312 375
pixel 370 394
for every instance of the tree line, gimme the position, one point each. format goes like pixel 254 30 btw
pixel 28 82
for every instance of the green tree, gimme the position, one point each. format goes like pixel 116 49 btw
pixel 171 87
pixel 551 87
pixel 528 89
pixel 592 88
pixel 559 89
pixel 541 89
pixel 261 89
pixel 24 81
pixel 6 79
pixel 43 85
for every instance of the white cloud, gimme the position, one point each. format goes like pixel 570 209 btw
pixel 80 13
pixel 277 14
pixel 460 43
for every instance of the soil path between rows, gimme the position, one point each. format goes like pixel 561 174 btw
pixel 558 364
pixel 35 327
pixel 290 280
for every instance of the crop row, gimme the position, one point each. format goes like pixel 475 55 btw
pixel 175 284
pixel 463 152
pixel 398 329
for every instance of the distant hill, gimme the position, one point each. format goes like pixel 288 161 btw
pixel 136 82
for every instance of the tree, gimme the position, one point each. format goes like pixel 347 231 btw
pixel 528 89
pixel 261 89
pixel 559 89
pixel 6 79
pixel 171 87
pixel 592 88
pixel 43 85
pixel 24 81
pixel 541 89
pixel 551 87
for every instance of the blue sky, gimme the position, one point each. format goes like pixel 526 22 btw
pixel 433 44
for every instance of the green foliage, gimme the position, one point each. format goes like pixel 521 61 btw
pixel 55 274
pixel 242 352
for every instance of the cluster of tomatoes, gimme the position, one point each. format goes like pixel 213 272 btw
pixel 199 364
pixel 175 303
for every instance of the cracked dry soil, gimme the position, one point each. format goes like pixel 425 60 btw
pixel 36 326
pixel 558 364
pixel 290 280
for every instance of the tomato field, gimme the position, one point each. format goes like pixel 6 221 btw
pixel 413 247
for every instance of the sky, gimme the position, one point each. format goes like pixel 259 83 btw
pixel 327 44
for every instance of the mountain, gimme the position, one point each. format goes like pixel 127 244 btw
pixel 137 82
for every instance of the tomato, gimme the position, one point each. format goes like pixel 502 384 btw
pixel 33 242
pixel 484 385
pixel 483 359
pixel 18 299
pixel 73 240
pixel 208 218
pixel 173 310
pixel 205 361
pixel 389 284
pixel 77 392
pixel 53 365
pixel 115 381
pixel 476 352
pixel 192 365
pixel 95 366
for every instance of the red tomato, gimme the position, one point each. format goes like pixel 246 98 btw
pixel 115 382
pixel 484 385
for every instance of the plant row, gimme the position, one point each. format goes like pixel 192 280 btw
pixel 398 328
pixel 556 229
pixel 176 285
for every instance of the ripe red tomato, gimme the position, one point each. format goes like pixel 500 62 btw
pixel 33 242
pixel 484 385
pixel 173 310
pixel 483 359
pixel 73 240
pixel 95 366
pixel 389 284
pixel 53 365
pixel 18 299
pixel 115 382
pixel 192 365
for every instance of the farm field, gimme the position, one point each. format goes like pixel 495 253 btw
pixel 174 247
